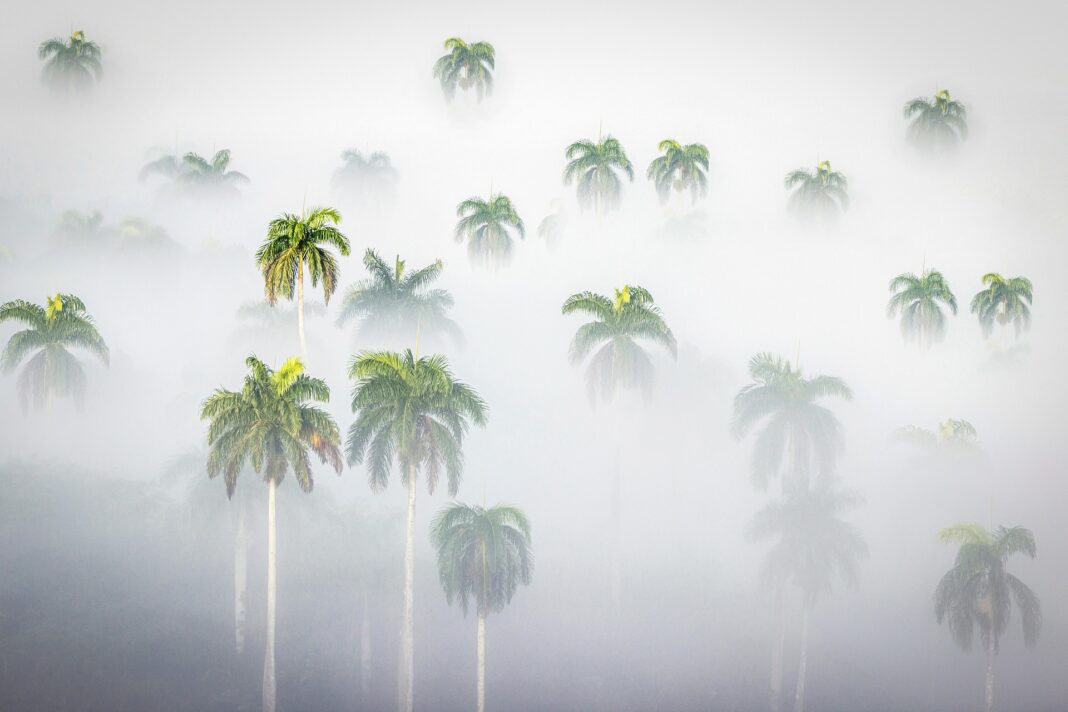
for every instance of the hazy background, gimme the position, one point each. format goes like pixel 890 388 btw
pixel 115 587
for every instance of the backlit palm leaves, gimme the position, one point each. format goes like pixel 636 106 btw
pixel 72 63
pixel 465 66
pixel 595 168
pixel 681 168
pixel 617 331
pixel 821 194
pixel 52 331
pixel 371 174
pixel 796 427
pixel 488 226
pixel 1004 301
pixel 919 300
pixel 938 123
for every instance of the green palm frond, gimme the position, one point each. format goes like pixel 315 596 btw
pixel 466 66
pixel 821 194
pixel 595 168
pixel 490 228
pixel 298 242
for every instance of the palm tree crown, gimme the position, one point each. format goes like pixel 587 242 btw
pixel 952 434
pixel 71 63
pixel 1004 301
pixel 373 172
pixel 465 66
pixel 53 329
pixel 796 426
pixel 919 301
pixel 488 225
pixel 618 327
pixel 822 193
pixel 297 241
pixel 192 169
pixel 680 167
pixel 938 123
pixel 595 168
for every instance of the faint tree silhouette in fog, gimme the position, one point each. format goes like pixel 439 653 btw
pixel 73 63
pixel 192 171
pixel 819 195
pixel 488 226
pixel 595 169
pixel 680 168
pixel 938 124
pixel 465 66
pixel 368 177
pixel 919 300
pixel 551 228
pixel 1004 301
pixel 952 435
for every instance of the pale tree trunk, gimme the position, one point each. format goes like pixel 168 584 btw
pixel 240 578
pixel 300 310
pixel 481 662
pixel 406 678
pixel 990 675
pixel 802 664
pixel 777 646
pixel 270 685
pixel 365 651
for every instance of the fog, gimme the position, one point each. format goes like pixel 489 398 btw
pixel 117 551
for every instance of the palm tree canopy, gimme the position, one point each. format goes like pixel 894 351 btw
pixel 978 592
pixel 392 300
pixel 195 170
pixel 618 327
pixel 271 425
pixel 823 192
pixel 52 330
pixel 413 411
pixel 488 226
pixel 483 554
pixel 297 241
pixel 919 300
pixel 795 424
pixel 71 62
pixel 595 168
pixel 680 167
pixel 465 66
pixel 952 433
pixel 1004 301
pixel 938 121
pixel 371 170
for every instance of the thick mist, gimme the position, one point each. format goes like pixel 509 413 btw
pixel 116 551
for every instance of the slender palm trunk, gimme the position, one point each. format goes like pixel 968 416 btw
pixel 300 309
pixel 365 652
pixel 777 646
pixel 406 681
pixel 240 578
pixel 481 662
pixel 990 675
pixel 270 685
pixel 802 665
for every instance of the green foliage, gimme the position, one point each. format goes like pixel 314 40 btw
pixel 412 411
pixel 270 425
pixel 483 554
pixel 465 66
pixel 978 592
pixel 70 64
pixel 195 171
pixel 952 435
pixel 821 194
pixel 52 370
pixel 619 326
pixel 796 427
pixel 371 175
pixel 394 302
pixel 919 300
pixel 939 124
pixel 680 168
pixel 1004 301
pixel 488 225
pixel 295 242
pixel 595 168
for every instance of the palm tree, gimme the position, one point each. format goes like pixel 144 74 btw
pixel 71 64
pixel 483 555
pixel 952 434
pixel 796 427
pixel 919 301
pixel 938 123
pixel 619 326
pixel 820 194
pixel 200 171
pixel 53 329
pixel 978 592
pixel 682 168
pixel 1004 301
pixel 80 229
pixel 294 242
pixel 813 547
pixel 373 174
pixel 412 411
pixel 551 227
pixel 271 425
pixel 392 302
pixel 595 168
pixel 488 226
pixel 465 65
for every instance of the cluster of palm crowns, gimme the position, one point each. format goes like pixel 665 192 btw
pixel 411 414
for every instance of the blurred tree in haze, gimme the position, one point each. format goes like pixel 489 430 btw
pixel 919 300
pixel 937 124
pixel 551 228
pixel 952 435
pixel 488 226
pixel 1004 301
pixel 72 63
pixel 465 66
pixel 371 176
pixel 193 171
pixel 680 168
pixel 595 169
pixel 819 195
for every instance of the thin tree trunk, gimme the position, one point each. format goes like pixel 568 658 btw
pixel 481 662
pixel 617 539
pixel 777 646
pixel 240 578
pixel 300 309
pixel 990 675
pixel 802 665
pixel 365 652
pixel 406 692
pixel 270 685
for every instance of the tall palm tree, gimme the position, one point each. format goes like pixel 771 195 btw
pixel 939 123
pixel 465 66
pixel 680 167
pixel 820 194
pixel 919 301
pixel 53 330
pixel 73 63
pixel 813 547
pixel 373 173
pixel 1004 301
pixel 595 169
pixel 953 434
pixel 296 241
pixel 796 428
pixel 393 302
pixel 412 411
pixel 619 326
pixel 488 226
pixel 483 555
pixel 978 592
pixel 271 424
